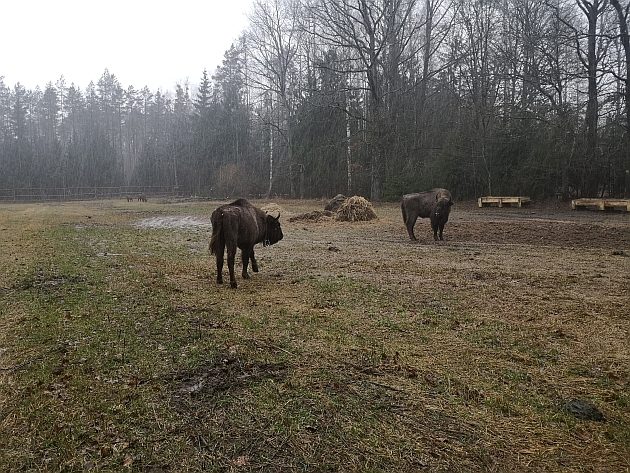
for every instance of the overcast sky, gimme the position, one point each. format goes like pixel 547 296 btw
pixel 143 42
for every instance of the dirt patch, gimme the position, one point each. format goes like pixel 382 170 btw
pixel 535 231
pixel 228 373
pixel 43 280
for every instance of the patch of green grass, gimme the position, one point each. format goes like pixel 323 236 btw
pixel 505 405
pixel 391 324
pixel 516 376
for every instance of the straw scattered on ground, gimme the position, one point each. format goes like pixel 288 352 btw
pixel 314 216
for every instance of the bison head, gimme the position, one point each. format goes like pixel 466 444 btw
pixel 273 232
pixel 442 208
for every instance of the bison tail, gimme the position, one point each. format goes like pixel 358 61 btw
pixel 404 213
pixel 217 233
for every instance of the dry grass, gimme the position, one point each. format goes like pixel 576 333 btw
pixel 352 350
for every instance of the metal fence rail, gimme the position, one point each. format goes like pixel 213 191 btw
pixel 60 194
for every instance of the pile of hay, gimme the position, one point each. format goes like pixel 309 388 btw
pixel 348 209
pixel 355 209
pixel 273 209
pixel 315 216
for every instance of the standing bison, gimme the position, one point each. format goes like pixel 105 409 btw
pixel 434 204
pixel 241 225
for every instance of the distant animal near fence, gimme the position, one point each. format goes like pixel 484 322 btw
pixel 61 194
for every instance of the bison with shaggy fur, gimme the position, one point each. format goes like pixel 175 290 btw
pixel 241 225
pixel 434 204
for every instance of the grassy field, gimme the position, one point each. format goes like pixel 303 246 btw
pixel 353 349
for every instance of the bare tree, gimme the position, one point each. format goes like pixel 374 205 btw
pixel 274 37
pixel 622 17
pixel 592 10
pixel 375 36
pixel 479 70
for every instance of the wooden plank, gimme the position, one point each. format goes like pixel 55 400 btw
pixel 602 204
pixel 501 200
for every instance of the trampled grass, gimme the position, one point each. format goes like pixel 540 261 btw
pixel 352 350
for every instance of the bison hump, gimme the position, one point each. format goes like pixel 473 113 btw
pixel 241 203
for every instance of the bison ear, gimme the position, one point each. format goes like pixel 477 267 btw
pixel 450 202
pixel 278 217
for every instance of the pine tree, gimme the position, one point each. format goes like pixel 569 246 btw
pixel 203 98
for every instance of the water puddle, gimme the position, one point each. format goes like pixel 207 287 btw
pixel 173 222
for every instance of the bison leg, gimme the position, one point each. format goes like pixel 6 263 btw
pixel 254 262
pixel 410 223
pixel 435 228
pixel 231 254
pixel 441 231
pixel 245 254
pixel 220 250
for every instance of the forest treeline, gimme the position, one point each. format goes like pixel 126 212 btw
pixel 370 97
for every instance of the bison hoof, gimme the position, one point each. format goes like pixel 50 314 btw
pixel 219 280
pixel 245 275
pixel 233 284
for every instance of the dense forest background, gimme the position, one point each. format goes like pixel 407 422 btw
pixel 370 97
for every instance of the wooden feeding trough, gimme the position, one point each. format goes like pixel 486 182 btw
pixel 601 204
pixel 519 201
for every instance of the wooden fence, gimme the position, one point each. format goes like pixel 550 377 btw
pixel 61 194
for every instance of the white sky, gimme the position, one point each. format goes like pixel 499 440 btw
pixel 142 42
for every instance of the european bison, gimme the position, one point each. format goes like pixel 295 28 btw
pixel 335 203
pixel 434 204
pixel 241 225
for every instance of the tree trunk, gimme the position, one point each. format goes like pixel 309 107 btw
pixel 426 60
pixel 590 177
pixel 625 41
pixel 376 160
pixel 348 157
pixel 270 160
